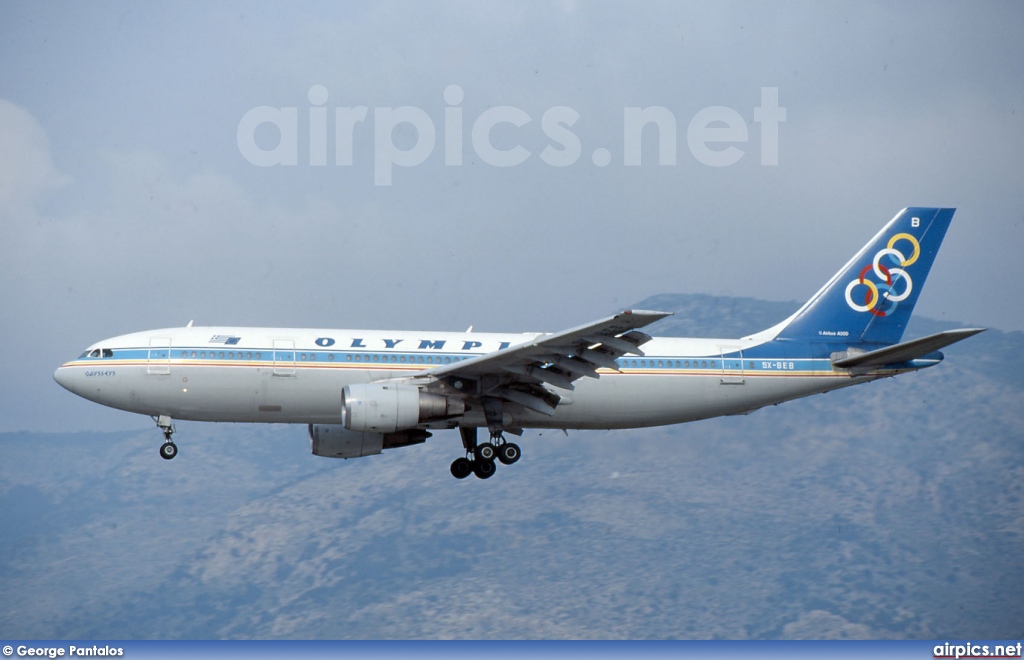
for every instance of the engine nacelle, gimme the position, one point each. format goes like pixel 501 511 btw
pixel 389 407
pixel 336 441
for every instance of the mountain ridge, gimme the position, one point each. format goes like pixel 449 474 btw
pixel 890 510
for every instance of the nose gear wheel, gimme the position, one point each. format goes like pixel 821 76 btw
pixel 168 450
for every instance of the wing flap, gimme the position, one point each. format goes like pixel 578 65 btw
pixel 599 358
pixel 519 373
pixel 542 375
pixel 622 345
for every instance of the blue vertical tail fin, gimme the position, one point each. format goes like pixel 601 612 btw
pixel 871 298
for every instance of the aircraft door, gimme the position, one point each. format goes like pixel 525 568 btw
pixel 732 365
pixel 158 359
pixel 284 357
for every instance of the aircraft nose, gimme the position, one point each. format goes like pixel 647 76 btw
pixel 63 377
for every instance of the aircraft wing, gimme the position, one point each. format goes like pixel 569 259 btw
pixel 909 350
pixel 519 373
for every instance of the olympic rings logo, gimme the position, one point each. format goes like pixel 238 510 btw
pixel 891 275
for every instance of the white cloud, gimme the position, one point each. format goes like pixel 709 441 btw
pixel 26 166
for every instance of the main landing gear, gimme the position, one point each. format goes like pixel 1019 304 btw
pixel 479 459
pixel 168 450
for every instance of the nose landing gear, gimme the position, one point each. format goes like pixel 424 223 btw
pixel 168 450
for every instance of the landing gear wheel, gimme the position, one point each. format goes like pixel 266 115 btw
pixel 509 453
pixel 168 450
pixel 485 452
pixel 484 469
pixel 461 468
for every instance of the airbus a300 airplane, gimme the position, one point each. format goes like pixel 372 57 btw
pixel 362 391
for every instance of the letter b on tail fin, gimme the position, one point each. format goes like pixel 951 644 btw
pixel 871 298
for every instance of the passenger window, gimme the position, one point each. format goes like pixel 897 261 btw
pixel 221 355
pixel 258 356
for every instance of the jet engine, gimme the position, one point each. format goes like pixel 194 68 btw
pixel 389 407
pixel 336 441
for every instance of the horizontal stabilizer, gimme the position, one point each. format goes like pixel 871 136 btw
pixel 906 351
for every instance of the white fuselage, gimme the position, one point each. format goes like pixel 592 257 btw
pixel 226 374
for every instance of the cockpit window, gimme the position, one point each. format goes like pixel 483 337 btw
pixel 98 353
pixel 108 353
pixel 95 353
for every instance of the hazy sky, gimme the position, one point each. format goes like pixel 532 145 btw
pixel 127 202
